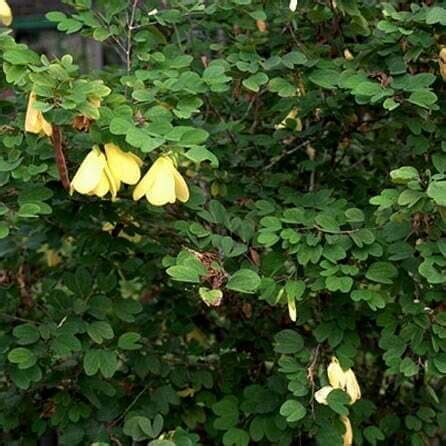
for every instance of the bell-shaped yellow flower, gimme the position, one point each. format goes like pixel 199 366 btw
pixel 94 177
pixel 34 120
pixel 293 5
pixel 345 380
pixel 348 435
pixel 5 13
pixel 124 166
pixel 162 184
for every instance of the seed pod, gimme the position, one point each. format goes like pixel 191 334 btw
pixel 442 63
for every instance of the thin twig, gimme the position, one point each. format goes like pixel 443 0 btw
pixel 56 140
pixel 311 372
pixel 278 158
pixel 130 406
pixel 129 35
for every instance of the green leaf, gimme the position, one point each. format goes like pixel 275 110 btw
pixel 325 78
pixel 338 401
pixel 26 334
pixel 292 410
pixel 373 435
pixel 129 341
pixel 408 367
pixel 440 362
pixel 23 357
pixel 92 362
pixel 436 15
pixel 98 331
pixel 4 230
pixel 404 174
pixel 288 341
pixel 437 191
pixel 108 363
pixel 255 81
pixel 184 273
pixel 227 412
pixel 236 437
pixel 21 56
pixel 120 126
pixel 423 98
pixel 382 272
pixel 244 281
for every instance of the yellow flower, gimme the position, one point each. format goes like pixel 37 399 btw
pixel 293 5
pixel 322 394
pixel 162 184
pixel 94 177
pixel 5 13
pixel 348 435
pixel 52 258
pixel 345 380
pixel 124 166
pixel 292 116
pixel 336 375
pixel 348 55
pixel 34 120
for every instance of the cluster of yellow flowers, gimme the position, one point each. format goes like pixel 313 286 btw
pixel 5 13
pixel 346 381
pixel 100 174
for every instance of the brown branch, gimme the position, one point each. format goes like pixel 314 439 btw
pixel 56 140
pixel 22 282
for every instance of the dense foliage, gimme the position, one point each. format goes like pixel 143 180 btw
pixel 314 147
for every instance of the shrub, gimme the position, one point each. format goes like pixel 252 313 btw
pixel 295 222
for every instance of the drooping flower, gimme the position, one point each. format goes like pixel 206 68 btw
pixel 94 177
pixel 322 394
pixel 34 120
pixel 348 435
pixel 162 184
pixel 336 375
pixel 5 13
pixel 344 380
pixel 124 166
pixel 293 5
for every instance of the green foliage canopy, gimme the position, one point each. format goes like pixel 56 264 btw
pixel 314 146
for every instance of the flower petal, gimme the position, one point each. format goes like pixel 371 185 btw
pixel 114 182
pixel 162 189
pixel 336 376
pixel 123 166
pixel 32 122
pixel 89 173
pixel 348 435
pixel 102 187
pixel 181 189
pixel 160 167
pixel 352 386
pixel 322 394
pixel 5 13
